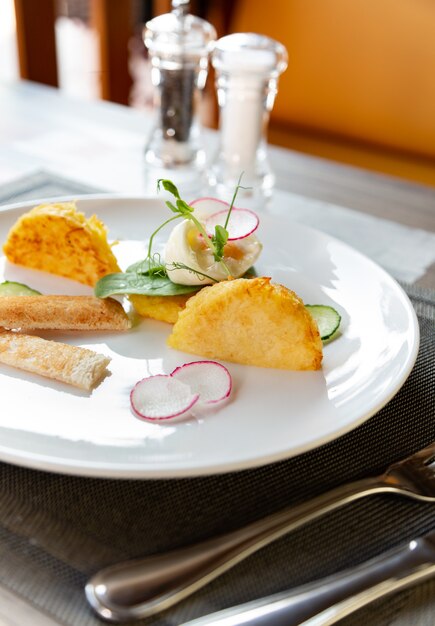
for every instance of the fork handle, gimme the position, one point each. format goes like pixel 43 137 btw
pixel 140 588
pixel 329 600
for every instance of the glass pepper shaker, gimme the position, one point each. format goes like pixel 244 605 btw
pixel 247 69
pixel 179 46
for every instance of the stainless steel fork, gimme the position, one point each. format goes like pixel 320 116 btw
pixel 143 587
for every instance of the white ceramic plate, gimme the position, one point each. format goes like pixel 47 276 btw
pixel 272 414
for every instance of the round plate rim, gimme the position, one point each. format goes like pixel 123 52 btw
pixel 143 472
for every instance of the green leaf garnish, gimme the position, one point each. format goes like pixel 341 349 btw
pixel 219 239
pixel 184 208
pixel 131 283
pixel 168 185
pixel 171 206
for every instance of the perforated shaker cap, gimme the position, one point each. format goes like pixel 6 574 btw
pixel 177 34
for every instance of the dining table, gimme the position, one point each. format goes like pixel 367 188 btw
pixel 57 530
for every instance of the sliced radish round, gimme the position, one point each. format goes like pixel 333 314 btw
pixel 210 380
pixel 208 206
pixel 241 224
pixel 161 398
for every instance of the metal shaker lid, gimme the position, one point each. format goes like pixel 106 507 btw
pixel 179 33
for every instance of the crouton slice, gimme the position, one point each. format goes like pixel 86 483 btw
pixel 75 366
pixel 62 313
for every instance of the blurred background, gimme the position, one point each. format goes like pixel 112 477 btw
pixel 359 89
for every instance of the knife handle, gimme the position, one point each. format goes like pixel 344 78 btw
pixel 143 587
pixel 329 600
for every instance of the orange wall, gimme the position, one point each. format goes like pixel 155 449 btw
pixel 363 69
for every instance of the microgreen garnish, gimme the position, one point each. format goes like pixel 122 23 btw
pixel 150 276
pixel 221 234
pixel 219 239
pixel 169 186
pixel 182 209
pixel 183 266
pixel 151 266
pixel 236 191
pixel 150 244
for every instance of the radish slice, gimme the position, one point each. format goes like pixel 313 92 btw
pixel 208 206
pixel 210 380
pixel 241 224
pixel 164 397
pixel 161 398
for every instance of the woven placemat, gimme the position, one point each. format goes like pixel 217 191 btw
pixel 42 184
pixel 56 531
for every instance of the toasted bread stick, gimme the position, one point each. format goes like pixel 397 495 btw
pixel 62 313
pixel 75 366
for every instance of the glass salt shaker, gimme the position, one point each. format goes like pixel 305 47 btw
pixel 179 45
pixel 247 69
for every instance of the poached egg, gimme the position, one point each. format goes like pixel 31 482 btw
pixel 187 247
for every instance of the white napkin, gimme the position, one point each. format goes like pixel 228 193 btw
pixel 404 252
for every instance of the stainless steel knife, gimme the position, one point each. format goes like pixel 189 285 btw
pixel 326 601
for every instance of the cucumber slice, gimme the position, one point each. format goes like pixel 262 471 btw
pixel 10 288
pixel 327 318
